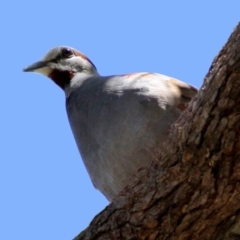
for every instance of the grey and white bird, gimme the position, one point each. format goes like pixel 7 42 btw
pixel 117 121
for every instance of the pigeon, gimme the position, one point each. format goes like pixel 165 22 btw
pixel 118 121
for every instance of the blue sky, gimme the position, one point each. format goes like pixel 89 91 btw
pixel 45 190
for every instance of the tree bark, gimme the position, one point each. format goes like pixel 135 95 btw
pixel 191 190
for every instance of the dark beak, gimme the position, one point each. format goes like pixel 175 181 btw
pixel 35 66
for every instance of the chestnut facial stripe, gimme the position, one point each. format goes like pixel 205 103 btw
pixel 84 57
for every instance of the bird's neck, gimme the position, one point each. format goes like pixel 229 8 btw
pixel 78 80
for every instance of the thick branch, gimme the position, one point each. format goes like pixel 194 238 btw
pixel 192 190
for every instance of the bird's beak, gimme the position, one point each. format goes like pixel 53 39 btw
pixel 36 66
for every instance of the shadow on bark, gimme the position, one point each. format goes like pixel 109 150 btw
pixel 192 190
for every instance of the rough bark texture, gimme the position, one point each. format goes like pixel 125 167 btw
pixel 192 190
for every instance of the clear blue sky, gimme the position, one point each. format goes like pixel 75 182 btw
pixel 45 190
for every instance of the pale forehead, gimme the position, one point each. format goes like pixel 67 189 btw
pixel 53 53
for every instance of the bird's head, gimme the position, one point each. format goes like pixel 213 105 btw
pixel 61 64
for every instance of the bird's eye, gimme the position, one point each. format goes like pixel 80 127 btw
pixel 66 52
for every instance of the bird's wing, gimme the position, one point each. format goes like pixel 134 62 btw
pixel 155 86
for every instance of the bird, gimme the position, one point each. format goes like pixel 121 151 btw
pixel 118 121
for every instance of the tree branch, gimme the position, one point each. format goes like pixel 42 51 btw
pixel 192 189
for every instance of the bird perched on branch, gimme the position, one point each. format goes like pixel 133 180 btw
pixel 117 121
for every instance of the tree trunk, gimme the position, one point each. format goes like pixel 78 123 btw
pixel 192 190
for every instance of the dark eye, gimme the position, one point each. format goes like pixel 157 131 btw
pixel 66 52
